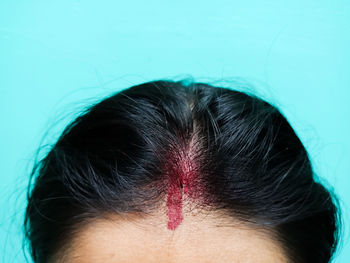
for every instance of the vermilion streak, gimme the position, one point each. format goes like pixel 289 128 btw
pixel 182 176
pixel 174 204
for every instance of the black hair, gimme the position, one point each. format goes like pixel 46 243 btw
pixel 118 157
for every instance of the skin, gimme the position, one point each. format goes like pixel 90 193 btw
pixel 198 239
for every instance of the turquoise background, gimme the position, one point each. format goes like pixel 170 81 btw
pixel 58 56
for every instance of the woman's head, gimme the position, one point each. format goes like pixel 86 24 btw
pixel 167 172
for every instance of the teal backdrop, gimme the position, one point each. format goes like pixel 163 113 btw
pixel 57 57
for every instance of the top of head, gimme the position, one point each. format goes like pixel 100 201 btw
pixel 167 145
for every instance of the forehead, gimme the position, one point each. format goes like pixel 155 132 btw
pixel 148 241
